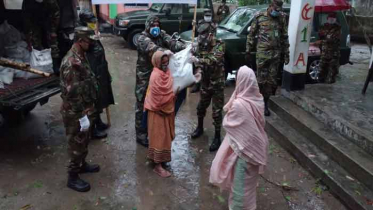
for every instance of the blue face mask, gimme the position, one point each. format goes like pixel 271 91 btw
pixel 275 13
pixel 155 31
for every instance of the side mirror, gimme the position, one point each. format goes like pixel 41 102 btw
pixel 248 29
pixel 167 11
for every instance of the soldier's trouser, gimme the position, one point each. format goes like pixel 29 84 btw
pixel 141 133
pixel 266 75
pixel 329 69
pixel 217 97
pixel 77 142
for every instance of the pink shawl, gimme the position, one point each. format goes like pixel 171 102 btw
pixel 244 122
pixel 160 86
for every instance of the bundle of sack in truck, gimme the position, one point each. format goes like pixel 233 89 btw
pixel 13 47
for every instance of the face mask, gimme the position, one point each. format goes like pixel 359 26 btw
pixel 155 31
pixel 39 1
pixel 332 20
pixel 164 67
pixel 208 18
pixel 275 13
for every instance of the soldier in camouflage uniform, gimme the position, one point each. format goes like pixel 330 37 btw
pixel 268 37
pixel 151 40
pixel 41 24
pixel 223 11
pixel 330 35
pixel 210 60
pixel 78 92
pixel 207 19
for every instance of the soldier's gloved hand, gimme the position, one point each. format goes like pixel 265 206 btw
pixel 198 75
pixel 168 52
pixel 84 123
pixel 193 59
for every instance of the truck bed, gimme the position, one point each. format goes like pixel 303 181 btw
pixel 23 92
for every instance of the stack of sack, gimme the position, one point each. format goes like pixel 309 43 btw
pixel 14 48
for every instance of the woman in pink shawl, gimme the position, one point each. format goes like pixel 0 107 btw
pixel 243 153
pixel 160 103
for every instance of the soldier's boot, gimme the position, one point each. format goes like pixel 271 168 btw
pixel 266 109
pixel 89 168
pixel 74 182
pixel 216 142
pixel 199 130
pixel 101 125
pixel 196 88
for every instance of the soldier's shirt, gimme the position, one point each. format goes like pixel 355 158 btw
pixel 78 84
pixel 271 33
pixel 330 34
pixel 212 64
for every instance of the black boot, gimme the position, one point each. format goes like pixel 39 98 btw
pixel 199 130
pixel 101 125
pixel 266 109
pixel 196 88
pixel 97 134
pixel 74 182
pixel 88 168
pixel 142 139
pixel 216 142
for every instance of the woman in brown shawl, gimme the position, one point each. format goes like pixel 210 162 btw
pixel 160 104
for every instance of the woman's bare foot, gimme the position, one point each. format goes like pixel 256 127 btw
pixel 158 169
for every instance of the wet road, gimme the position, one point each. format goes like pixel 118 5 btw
pixel 33 162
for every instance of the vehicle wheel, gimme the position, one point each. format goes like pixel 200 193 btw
pixel 28 109
pixel 313 70
pixel 133 38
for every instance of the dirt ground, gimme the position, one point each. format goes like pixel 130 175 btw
pixel 33 161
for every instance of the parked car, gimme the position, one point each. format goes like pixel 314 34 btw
pixel 174 18
pixel 235 28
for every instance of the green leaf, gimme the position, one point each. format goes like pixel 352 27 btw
pixel 288 198
pixel 326 171
pixel 38 184
pixel 285 184
pixel 262 189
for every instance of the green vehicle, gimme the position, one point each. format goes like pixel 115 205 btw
pixel 174 18
pixel 235 28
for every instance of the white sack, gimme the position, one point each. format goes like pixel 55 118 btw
pixel 40 60
pixel 6 75
pixel 181 69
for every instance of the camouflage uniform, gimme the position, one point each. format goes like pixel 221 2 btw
pixel 211 62
pixel 271 42
pixel 330 34
pixel 41 21
pixel 79 92
pixel 223 12
pixel 147 46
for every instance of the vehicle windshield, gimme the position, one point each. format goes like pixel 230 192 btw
pixel 237 20
pixel 156 7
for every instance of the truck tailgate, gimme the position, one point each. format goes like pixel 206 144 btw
pixel 23 92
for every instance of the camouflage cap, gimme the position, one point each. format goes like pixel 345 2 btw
pixel 207 12
pixel 150 20
pixel 277 4
pixel 85 32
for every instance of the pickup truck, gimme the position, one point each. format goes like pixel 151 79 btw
pixel 22 96
pixel 235 28
pixel 174 18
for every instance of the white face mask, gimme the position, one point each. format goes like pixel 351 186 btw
pixel 332 20
pixel 208 18
pixel 39 1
